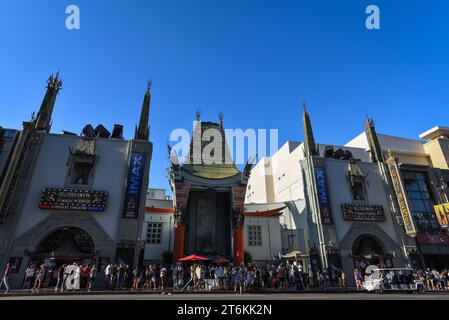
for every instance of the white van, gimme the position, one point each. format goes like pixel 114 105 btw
pixel 393 279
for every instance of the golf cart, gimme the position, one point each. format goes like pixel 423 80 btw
pixel 392 279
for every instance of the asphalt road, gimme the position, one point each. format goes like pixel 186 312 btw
pixel 247 297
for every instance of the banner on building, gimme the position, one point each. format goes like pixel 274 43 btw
pixel 323 196
pixel 398 185
pixel 134 186
pixel 442 212
pixel 430 239
pixel 73 200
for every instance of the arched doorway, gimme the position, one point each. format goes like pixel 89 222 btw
pixel 68 241
pixel 367 250
pixel 66 245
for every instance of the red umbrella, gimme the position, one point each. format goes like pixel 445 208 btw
pixel 194 258
pixel 221 261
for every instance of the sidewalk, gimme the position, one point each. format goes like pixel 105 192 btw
pixel 51 292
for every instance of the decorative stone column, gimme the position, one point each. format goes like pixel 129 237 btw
pixel 239 241
pixel 179 234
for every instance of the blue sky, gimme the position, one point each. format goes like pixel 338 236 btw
pixel 255 61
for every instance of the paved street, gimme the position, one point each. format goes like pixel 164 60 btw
pixel 227 297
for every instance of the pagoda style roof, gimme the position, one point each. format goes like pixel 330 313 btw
pixel 205 167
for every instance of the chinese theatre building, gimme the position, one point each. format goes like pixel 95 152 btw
pixel 68 198
pixel 208 197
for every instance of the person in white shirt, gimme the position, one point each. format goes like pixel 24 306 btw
pixel 77 278
pixel 107 274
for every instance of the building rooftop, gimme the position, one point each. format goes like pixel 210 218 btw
pixel 208 169
pixel 435 132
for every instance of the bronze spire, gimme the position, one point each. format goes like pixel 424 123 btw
pixel 143 131
pixel 373 141
pixel 309 142
pixel 43 119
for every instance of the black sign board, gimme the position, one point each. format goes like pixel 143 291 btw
pixel 363 212
pixel 73 200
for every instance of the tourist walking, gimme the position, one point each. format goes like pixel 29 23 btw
pixel 60 277
pixel 92 277
pixel 38 279
pixel 163 277
pixel 107 276
pixel 29 276
pixel 6 276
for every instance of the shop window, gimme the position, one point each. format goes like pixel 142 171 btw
pixel 254 236
pixel 154 233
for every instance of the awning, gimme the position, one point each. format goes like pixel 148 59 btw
pixel 293 255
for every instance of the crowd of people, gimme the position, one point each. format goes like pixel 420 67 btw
pixel 433 279
pixel 83 277
pixel 198 277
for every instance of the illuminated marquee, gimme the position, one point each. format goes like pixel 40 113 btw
pixel 409 224
pixel 363 212
pixel 73 200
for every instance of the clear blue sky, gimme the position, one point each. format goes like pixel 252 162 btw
pixel 254 60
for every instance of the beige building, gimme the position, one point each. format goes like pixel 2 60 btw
pixel 342 210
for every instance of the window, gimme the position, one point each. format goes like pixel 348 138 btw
pixel 358 190
pixel 154 233
pixel 255 236
pixel 421 201
pixel 357 181
pixel 81 172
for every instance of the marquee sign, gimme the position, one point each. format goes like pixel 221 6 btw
pixel 323 196
pixel 363 212
pixel 134 186
pixel 442 212
pixel 73 200
pixel 409 224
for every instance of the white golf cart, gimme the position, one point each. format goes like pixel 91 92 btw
pixel 392 279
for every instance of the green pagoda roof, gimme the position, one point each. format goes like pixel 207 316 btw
pixel 222 170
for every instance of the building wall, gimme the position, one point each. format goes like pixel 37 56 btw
pixel 438 150
pixel 153 252
pixel 109 175
pixel 271 238
pixel 259 188
pixel 340 192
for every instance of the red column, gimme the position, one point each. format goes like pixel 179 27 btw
pixel 178 245
pixel 239 248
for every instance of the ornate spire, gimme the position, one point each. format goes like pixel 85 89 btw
pixel 373 141
pixel 220 119
pixel 198 115
pixel 143 130
pixel 43 119
pixel 309 141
